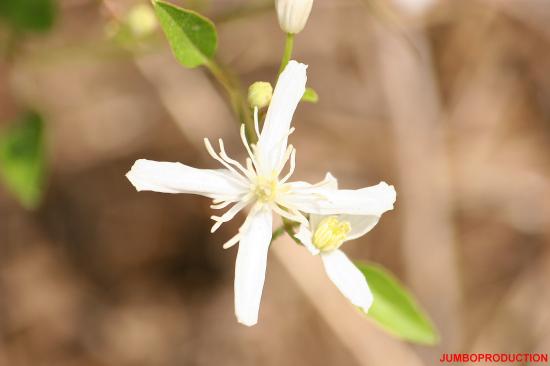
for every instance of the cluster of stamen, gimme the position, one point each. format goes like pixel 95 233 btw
pixel 260 189
pixel 265 189
pixel 331 233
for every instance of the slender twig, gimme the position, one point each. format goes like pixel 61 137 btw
pixel 236 97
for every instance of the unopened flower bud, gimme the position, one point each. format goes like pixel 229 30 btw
pixel 293 14
pixel 259 94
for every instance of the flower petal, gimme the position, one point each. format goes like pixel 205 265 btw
pixel 288 92
pixel 329 182
pixel 148 175
pixel 373 200
pixel 360 224
pixel 305 236
pixel 347 277
pixel 251 265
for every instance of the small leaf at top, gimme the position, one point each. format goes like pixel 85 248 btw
pixel 28 15
pixel 395 309
pixel 191 36
pixel 22 159
pixel 310 96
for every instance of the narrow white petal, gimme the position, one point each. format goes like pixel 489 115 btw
pixel 347 277
pixel 251 266
pixel 288 93
pixel 360 224
pixel 148 175
pixel 373 200
pixel 305 236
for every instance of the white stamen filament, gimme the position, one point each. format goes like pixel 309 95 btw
pixel 284 160
pixel 228 215
pixel 256 122
pixel 221 205
pixel 224 156
pixel 234 240
pixel 292 166
pixel 248 150
pixel 215 156
pixel 249 165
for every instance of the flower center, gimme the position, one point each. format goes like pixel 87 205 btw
pixel 265 189
pixel 331 233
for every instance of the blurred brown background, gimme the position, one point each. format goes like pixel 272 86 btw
pixel 449 101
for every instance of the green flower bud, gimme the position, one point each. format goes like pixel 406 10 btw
pixel 141 20
pixel 259 94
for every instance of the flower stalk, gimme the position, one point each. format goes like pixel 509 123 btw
pixel 287 55
pixel 237 100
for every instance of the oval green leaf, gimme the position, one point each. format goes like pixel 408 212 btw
pixel 22 159
pixel 394 309
pixel 192 37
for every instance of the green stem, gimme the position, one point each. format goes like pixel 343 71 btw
pixel 287 227
pixel 277 233
pixel 236 98
pixel 289 45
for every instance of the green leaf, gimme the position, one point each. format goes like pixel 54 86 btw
pixel 395 309
pixel 22 159
pixel 191 36
pixel 28 15
pixel 310 96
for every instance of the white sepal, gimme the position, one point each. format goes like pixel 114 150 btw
pixel 373 200
pixel 272 143
pixel 360 224
pixel 305 236
pixel 251 265
pixel 166 177
pixel 348 278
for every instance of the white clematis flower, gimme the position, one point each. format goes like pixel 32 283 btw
pixel 260 185
pixel 323 236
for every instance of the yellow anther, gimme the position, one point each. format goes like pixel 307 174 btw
pixel 331 233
